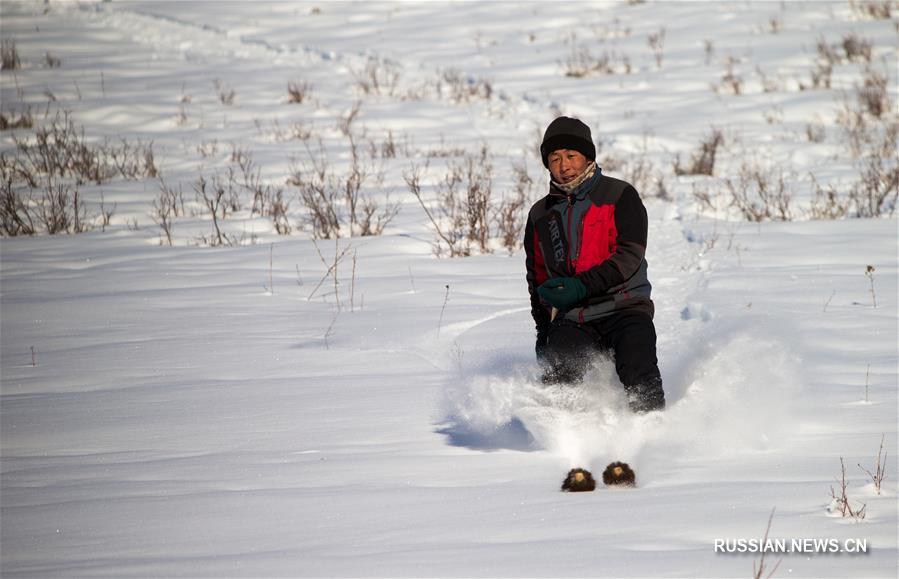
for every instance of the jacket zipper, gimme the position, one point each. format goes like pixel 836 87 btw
pixel 572 260
pixel 580 234
pixel 571 267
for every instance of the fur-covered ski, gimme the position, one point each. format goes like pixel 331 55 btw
pixel 617 474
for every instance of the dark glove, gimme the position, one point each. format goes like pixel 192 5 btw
pixel 562 292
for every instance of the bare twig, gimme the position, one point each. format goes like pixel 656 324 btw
pixel 332 268
pixel 879 467
pixel 330 331
pixel 353 284
pixel 271 284
pixel 440 321
pixel 413 180
pixel 867 376
pixel 656 41
pixel 214 201
pixel 841 502
pixel 758 572
pixel 334 271
pixel 828 300
pixel 164 211
pixel 869 272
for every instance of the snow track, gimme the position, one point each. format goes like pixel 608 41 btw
pixel 173 37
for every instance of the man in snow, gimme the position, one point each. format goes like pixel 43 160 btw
pixel 585 243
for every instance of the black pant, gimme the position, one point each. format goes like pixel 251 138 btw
pixel 629 335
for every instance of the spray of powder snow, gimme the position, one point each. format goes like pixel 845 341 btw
pixel 736 394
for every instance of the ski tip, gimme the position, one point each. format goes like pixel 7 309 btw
pixel 578 480
pixel 619 474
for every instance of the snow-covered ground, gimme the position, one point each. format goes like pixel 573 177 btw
pixel 185 410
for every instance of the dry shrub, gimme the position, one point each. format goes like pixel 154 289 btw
pixel 760 196
pixel 51 61
pixel 877 190
pixel 56 207
pixel 640 172
pixel 334 201
pixel 852 48
pixel 222 194
pixel 822 67
pixel 880 463
pixel 208 149
pixel 731 82
pixel 702 161
pixel 768 84
pixel 444 215
pixel 388 148
pixel 815 132
pixel 874 9
pixel 15 216
pixel 478 190
pixel 872 132
pixel 873 94
pixel 464 215
pixel 225 93
pixel 840 502
pixel 512 211
pixel 821 74
pixel 41 177
pixel 267 199
pixel 59 149
pixel 298 91
pixel 827 203
pixel 166 208
pixel 704 198
pixel 296 131
pixel 460 88
pixel 377 76
pixel 855 126
pixel 218 196
pixel 10 122
pixel 656 42
pixel 133 161
pixel 609 162
pixel 318 194
pixel 873 144
pixel 9 55
pixel 581 62
pixel 61 210
pixel 856 49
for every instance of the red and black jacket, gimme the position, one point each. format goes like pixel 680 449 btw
pixel 597 234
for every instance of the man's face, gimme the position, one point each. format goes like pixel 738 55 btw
pixel 566 164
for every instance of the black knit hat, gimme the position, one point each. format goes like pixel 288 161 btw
pixel 567 133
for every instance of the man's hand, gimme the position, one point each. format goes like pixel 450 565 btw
pixel 562 292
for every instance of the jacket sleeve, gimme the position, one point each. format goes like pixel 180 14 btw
pixel 536 275
pixel 631 224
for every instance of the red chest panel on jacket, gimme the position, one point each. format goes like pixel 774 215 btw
pixel 598 237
